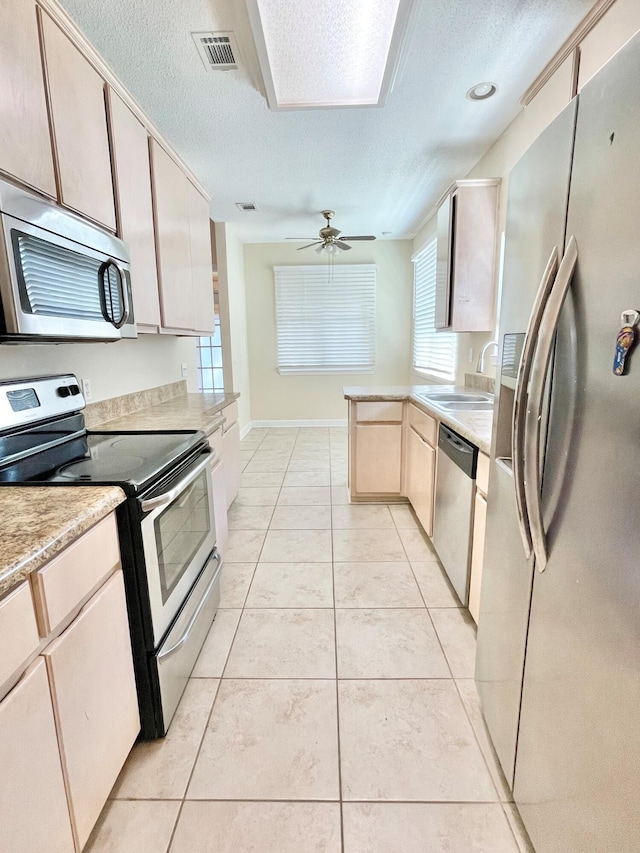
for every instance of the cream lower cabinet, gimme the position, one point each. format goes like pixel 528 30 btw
pixel 219 490
pixel 375 450
pixel 33 803
pixel 420 478
pixel 94 696
pixel 232 459
pixel 479 530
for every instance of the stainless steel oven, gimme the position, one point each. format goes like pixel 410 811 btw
pixel 166 524
pixel 178 534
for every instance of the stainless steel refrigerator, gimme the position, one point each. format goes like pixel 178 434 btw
pixel 558 662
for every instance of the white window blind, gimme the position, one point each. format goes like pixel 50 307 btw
pixel 433 352
pixel 326 318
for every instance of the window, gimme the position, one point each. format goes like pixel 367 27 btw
pixel 433 352
pixel 210 374
pixel 326 318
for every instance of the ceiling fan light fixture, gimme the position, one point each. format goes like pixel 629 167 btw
pixel 308 62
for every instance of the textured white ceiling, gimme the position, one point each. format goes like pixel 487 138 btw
pixel 380 168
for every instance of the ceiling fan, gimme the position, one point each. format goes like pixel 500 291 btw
pixel 329 237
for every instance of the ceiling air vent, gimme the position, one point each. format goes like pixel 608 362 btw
pixel 246 205
pixel 218 51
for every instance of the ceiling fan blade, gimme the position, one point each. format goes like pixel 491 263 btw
pixel 361 237
pixel 299 238
pixel 341 245
pixel 316 243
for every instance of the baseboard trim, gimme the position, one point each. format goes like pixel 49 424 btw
pixel 246 429
pixel 327 422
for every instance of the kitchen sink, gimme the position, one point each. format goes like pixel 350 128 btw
pixel 473 406
pixel 455 396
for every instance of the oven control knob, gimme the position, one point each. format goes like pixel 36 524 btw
pixel 75 389
pixel 64 391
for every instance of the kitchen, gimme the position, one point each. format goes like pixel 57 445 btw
pixel 293 429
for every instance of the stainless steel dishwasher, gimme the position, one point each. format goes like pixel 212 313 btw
pixel 457 462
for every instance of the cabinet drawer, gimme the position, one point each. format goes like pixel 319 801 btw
pixel 424 425
pixel 62 584
pixel 231 414
pixel 386 410
pixel 18 630
pixel 482 473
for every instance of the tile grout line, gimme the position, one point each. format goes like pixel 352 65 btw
pixel 335 641
pixel 206 725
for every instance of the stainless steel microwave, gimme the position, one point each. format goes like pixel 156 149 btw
pixel 61 278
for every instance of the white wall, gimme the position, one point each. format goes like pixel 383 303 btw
pixel 319 397
pixel 497 163
pixel 114 369
pixel 233 304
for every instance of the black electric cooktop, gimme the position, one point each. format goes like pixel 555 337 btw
pixel 130 460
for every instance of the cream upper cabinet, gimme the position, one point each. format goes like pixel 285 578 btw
pixel 466 248
pixel 173 239
pixel 79 119
pixel 132 174
pixel 201 262
pixel 94 695
pixel 25 141
pixel 35 815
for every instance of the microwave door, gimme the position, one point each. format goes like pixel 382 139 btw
pixel 53 288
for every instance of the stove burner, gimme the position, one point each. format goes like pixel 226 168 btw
pixel 95 469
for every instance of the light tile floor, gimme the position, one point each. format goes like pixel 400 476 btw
pixel 333 706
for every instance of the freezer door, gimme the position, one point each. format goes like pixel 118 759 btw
pixel 536 214
pixel 577 780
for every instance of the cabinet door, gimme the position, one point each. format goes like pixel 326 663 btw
pixel 79 118
pixel 23 106
pixel 132 172
pixel 94 693
pixel 173 240
pixel 421 469
pixel 201 263
pixel 219 489
pixel 477 555
pixel 33 804
pixel 232 461
pixel 378 460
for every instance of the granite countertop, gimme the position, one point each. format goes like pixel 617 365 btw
pixel 188 411
pixel 39 521
pixel 474 426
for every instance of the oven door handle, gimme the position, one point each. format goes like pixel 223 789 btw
pixel 194 618
pixel 167 497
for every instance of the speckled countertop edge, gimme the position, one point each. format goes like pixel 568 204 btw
pixel 474 426
pixel 39 521
pixel 188 411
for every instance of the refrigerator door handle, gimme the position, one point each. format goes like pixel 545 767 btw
pixel 533 416
pixel 518 431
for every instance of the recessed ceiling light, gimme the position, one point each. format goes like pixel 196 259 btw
pixel 310 58
pixel 481 91
pixel 246 205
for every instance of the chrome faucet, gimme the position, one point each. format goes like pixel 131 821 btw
pixel 480 365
